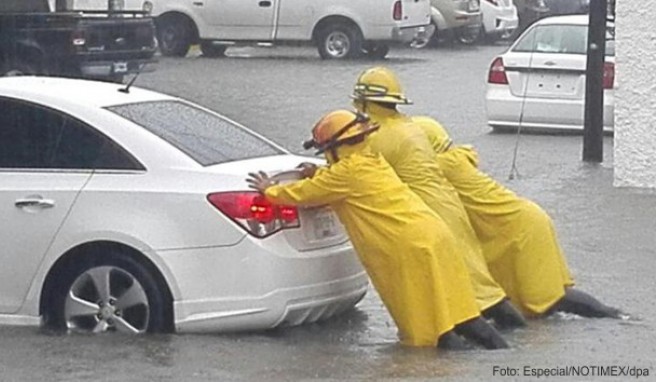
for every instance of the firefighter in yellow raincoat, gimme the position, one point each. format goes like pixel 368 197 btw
pixel 377 93
pixel 518 237
pixel 406 249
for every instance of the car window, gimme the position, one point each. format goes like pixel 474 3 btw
pixel 35 137
pixel 558 38
pixel 204 136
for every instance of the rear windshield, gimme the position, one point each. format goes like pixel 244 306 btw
pixel 204 136
pixel 561 39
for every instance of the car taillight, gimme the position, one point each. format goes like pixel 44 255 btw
pixel 497 74
pixel 609 75
pixel 397 12
pixel 254 212
pixel 79 37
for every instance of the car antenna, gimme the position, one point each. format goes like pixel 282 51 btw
pixel 126 89
pixel 514 170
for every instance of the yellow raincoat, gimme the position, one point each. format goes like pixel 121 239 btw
pixel 406 249
pixel 518 237
pixel 407 150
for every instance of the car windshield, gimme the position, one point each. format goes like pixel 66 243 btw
pixel 559 38
pixel 204 136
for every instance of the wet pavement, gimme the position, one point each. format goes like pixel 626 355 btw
pixel 607 235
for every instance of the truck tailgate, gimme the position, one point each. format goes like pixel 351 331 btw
pixel 415 13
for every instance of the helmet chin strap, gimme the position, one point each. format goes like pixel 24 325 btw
pixel 333 153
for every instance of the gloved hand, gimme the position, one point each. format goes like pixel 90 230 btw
pixel 307 169
pixel 259 181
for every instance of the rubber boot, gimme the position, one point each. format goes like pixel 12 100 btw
pixel 479 331
pixel 505 315
pixel 452 341
pixel 583 304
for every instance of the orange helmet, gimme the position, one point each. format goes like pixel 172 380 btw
pixel 337 128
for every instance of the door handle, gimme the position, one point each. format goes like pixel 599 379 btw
pixel 34 202
pixel 265 3
pixel 550 63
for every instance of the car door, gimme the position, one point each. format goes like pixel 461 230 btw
pixel 240 19
pixel 37 191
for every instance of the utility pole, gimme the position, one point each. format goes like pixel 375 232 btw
pixel 593 127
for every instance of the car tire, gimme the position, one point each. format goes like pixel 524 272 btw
pixel 132 302
pixel 375 51
pixel 174 36
pixel 436 39
pixel 466 37
pixel 211 50
pixel 339 41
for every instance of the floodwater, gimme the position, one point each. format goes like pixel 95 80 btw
pixel 607 235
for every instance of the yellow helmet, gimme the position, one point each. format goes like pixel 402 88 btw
pixel 337 128
pixel 379 84
pixel 437 135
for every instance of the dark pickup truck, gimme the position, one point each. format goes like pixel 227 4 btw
pixel 37 39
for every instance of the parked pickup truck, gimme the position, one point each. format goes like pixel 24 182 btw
pixel 45 37
pixel 339 28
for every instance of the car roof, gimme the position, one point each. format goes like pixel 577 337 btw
pixel 567 19
pixel 65 91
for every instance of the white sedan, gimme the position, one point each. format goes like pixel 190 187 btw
pixel 126 210
pixel 539 82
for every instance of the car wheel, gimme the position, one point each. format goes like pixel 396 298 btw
pixel 467 36
pixel 212 50
pixel 375 51
pixel 434 40
pixel 109 293
pixel 339 41
pixel 174 35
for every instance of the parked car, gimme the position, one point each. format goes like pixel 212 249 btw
pixel 500 19
pixel 48 37
pixel 539 82
pixel 338 28
pixel 452 20
pixel 127 210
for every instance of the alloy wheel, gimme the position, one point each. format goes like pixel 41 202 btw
pixel 106 299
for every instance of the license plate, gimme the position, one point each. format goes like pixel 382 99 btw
pixel 324 225
pixel 120 67
pixel 552 84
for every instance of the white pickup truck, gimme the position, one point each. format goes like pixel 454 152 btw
pixel 339 28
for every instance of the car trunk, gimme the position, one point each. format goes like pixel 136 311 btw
pixel 319 225
pixel 541 75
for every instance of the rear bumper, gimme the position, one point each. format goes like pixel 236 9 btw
pixel 104 69
pixel 502 25
pixel 504 110
pixel 261 284
pixel 462 19
pixel 410 34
